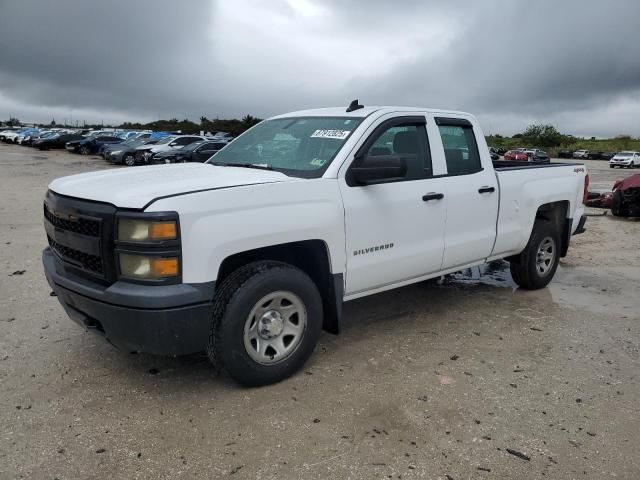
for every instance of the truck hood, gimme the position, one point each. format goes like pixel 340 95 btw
pixel 137 187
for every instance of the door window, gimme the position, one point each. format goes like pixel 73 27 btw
pixel 408 142
pixel 460 149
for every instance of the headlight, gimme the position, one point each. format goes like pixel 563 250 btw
pixel 134 230
pixel 116 152
pixel 148 267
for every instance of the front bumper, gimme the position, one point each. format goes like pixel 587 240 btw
pixel 161 320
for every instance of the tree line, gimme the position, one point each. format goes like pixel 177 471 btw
pixel 548 137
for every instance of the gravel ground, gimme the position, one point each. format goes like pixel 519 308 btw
pixel 465 378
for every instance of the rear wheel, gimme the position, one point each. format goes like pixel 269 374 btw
pixel 618 207
pixel 535 267
pixel 266 321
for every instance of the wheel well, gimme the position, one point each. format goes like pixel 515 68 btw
pixel 310 256
pixel 556 212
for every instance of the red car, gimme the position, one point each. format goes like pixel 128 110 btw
pixel 516 155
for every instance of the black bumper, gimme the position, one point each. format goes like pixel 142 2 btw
pixel 161 320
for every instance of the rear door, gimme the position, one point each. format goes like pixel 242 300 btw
pixel 471 190
pixel 394 230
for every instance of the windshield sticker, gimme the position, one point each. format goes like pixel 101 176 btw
pixel 318 162
pixel 338 134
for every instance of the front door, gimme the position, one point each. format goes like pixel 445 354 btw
pixel 394 230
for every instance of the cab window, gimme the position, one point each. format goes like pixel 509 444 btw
pixel 408 142
pixel 460 149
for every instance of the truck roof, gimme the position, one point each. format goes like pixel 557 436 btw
pixel 363 112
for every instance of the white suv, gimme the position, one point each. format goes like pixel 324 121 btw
pixel 625 159
pixel 581 154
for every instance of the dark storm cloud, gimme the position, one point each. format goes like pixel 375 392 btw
pixel 573 63
pixel 539 57
pixel 117 54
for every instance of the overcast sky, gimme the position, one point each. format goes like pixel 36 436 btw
pixel 572 63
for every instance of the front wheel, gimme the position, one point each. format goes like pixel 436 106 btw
pixel 129 160
pixel 84 150
pixel 535 267
pixel 266 321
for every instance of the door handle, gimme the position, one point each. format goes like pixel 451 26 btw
pixel 486 189
pixel 432 196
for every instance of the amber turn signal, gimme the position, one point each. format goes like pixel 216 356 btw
pixel 163 231
pixel 164 267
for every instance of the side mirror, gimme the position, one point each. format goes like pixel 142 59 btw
pixel 172 144
pixel 378 169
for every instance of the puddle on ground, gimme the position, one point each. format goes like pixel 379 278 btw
pixel 606 291
pixel 602 290
pixel 494 274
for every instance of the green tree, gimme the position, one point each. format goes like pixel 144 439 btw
pixel 542 136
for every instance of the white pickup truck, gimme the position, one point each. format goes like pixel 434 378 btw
pixel 251 254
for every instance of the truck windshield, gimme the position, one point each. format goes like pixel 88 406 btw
pixel 297 146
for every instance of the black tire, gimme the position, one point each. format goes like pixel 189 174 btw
pixel 84 150
pixel 618 208
pixel 526 268
pixel 233 305
pixel 129 160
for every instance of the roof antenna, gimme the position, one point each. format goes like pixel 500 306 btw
pixel 354 105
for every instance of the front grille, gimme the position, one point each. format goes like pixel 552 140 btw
pixel 92 263
pixel 82 226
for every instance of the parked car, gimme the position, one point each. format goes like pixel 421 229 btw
pixel 91 144
pixel 607 155
pixel 37 136
pixel 57 140
pixel 565 154
pixel 536 155
pixel 7 131
pixel 625 201
pixel 146 153
pixel 195 152
pixel 494 154
pixel 516 155
pixel 250 255
pixel 625 159
pixel 12 137
pixel 583 154
pixel 25 137
pixel 124 153
pixel 594 155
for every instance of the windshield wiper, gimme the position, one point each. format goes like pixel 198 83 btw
pixel 257 166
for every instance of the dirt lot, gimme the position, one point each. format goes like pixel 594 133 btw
pixel 439 381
